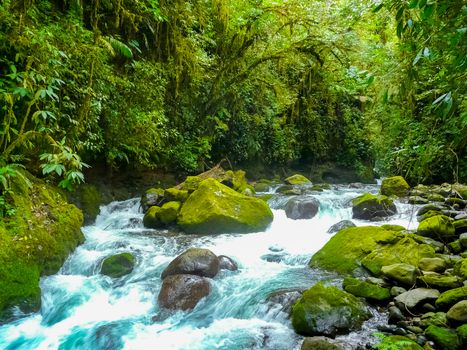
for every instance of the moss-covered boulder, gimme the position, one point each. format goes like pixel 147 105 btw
pixel 371 207
pixel 451 297
pixel 394 186
pixel 458 312
pixel 216 208
pixel 151 218
pixel 87 198
pixel 460 269
pixel 327 311
pixel 320 343
pixel 297 179
pixel 191 183
pixel 237 180
pixel 176 195
pixel 370 246
pixel 460 226
pixel 432 264
pixel 434 318
pixel 462 334
pixel 169 212
pixel 445 338
pixel 438 227
pixel 405 274
pixel 118 265
pixel 365 289
pixel 439 281
pixel 35 241
pixel 152 197
pixel 396 342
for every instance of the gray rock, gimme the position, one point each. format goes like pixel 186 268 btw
pixel 395 315
pixel 395 291
pixel 226 263
pixel 183 292
pixel 340 226
pixel 302 208
pixel 416 296
pixel 194 261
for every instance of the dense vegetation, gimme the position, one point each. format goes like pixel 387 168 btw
pixel 179 85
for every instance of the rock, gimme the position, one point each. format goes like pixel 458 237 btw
pixel 151 219
pixel 193 261
pixel 191 183
pixel 460 269
pixel 168 213
pixel 403 273
pixel 302 208
pixel 395 315
pixel 394 186
pixel 455 247
pixel 286 298
pixel 341 225
pixel 118 265
pixel 455 202
pixel 368 207
pixel 437 246
pixel 397 342
pixel 451 297
pixel 460 226
pixel 215 208
pixel 462 334
pixel 461 216
pixel 429 207
pixel 297 179
pixel 440 281
pixel 261 187
pixel 226 263
pixel 393 227
pixel 435 198
pixel 436 319
pixel 320 343
pixel 458 312
pixel 463 240
pixel 428 214
pixel 432 264
pixel 152 197
pixel 437 227
pixel 356 185
pixel 443 337
pixel 175 195
pixel 414 297
pixel 327 311
pixel 460 189
pixel 366 290
pixel 417 200
pixel 371 246
pixel 183 292
pixel 395 291
pixel 320 187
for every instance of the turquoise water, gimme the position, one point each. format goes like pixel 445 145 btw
pixel 82 309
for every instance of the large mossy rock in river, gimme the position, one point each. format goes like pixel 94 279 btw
pixel 183 292
pixel 118 265
pixel 394 186
pixel 193 261
pixel 370 246
pixel 35 241
pixel 365 289
pixel 297 179
pixel 371 207
pixel 216 208
pixel 327 311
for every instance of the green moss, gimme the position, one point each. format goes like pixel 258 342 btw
pixel 462 334
pixel 90 200
pixel 174 194
pixel 191 183
pixel 394 186
pixel 451 297
pixel 215 208
pixel 369 206
pixel 118 265
pixel 151 218
pixel 396 342
pixel 328 311
pixel 365 289
pixel 435 198
pixel 443 337
pixel 168 212
pixel 437 227
pixel 436 319
pixel 297 179
pixel 460 269
pixel 440 281
pixel 393 227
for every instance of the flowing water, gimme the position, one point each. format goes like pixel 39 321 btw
pixel 82 309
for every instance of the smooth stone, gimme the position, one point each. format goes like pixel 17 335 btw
pixel 395 315
pixel 226 263
pixel 440 281
pixel 432 264
pixel 416 296
pixel 403 273
pixel 340 226
pixel 302 208
pixel 193 261
pixel 463 240
pixel 458 312
pixel 183 292
pixel 396 290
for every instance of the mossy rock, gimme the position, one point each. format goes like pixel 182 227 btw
pixel 438 227
pixel 88 198
pixel 327 311
pixel 371 207
pixel 460 226
pixel 191 183
pixel 118 265
pixel 452 201
pixel 440 281
pixel 435 198
pixel 462 334
pixel 460 269
pixel 151 198
pixel 320 187
pixel 237 180
pixel 168 212
pixel 417 200
pixel 216 208
pixel 434 319
pixel 297 179
pixel 396 342
pixel 405 274
pixel 374 245
pixel 461 189
pixel 366 290
pixel 390 227
pixel 261 187
pixel 445 338
pixel 451 297
pixel 394 186
pixel 35 241
pixel 176 195
pixel 428 214
pixel 151 219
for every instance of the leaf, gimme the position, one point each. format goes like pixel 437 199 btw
pixel 413 4
pixel 379 7
pixel 422 3
pixel 439 99
pixel 121 48
pixel 418 57
pixel 400 28
pixel 427 12
pixel 400 13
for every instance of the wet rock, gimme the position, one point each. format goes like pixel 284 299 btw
pixel 461 216
pixel 414 297
pixel 395 291
pixel 226 263
pixel 183 292
pixel 460 269
pixel 429 207
pixel 438 227
pixel 152 197
pixel 366 290
pixel 357 185
pixel 285 298
pixel 463 240
pixel 461 227
pixel 462 334
pixel 432 264
pixel 275 257
pixel 393 227
pixel 194 261
pixel 340 226
pixel 118 265
pixel 436 198
pixel 458 312
pixel 395 315
pixel 451 297
pixel 320 343
pixel 302 208
pixel 443 337
pixel 431 318
pixel 327 311
pixel 371 207
pixel 151 219
pixel 440 281
pixel 403 273
pixel 417 200
pixel 452 201
pixel 297 179
pixel 394 186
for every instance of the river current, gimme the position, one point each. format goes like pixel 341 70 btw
pixel 82 309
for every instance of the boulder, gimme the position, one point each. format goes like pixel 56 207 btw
pixel 169 212
pixel 193 261
pixel 463 240
pixel 438 227
pixel 432 264
pixel 397 342
pixel 460 189
pixel 430 207
pixel 460 269
pixel 191 183
pixel 285 298
pixel 340 226
pixel 372 246
pixel 460 226
pixel 176 195
pixel 403 273
pixel 458 312
pixel 462 334
pixel 394 186
pixel 445 338
pixel 183 292
pixel 371 207
pixel 151 218
pixel 440 281
pixel 320 343
pixel 435 198
pixel 261 187
pixel 118 265
pixel 327 311
pixel 451 297
pixel 431 318
pixel 302 208
pixel 226 263
pixel 216 208
pixel 152 197
pixel 297 179
pixel 417 296
pixel 417 200
pixel 393 227
pixel 455 202
pixel 365 290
